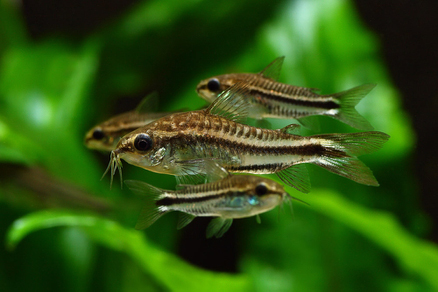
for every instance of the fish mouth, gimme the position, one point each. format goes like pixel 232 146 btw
pixel 114 164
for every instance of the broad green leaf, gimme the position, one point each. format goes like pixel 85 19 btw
pixel 13 146
pixel 168 269
pixel 413 254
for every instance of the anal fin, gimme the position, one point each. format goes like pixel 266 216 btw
pixel 184 219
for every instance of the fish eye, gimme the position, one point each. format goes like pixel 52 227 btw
pixel 143 142
pixel 213 85
pixel 261 190
pixel 98 134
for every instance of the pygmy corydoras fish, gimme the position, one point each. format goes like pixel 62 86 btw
pixel 176 143
pixel 272 99
pixel 106 135
pixel 233 196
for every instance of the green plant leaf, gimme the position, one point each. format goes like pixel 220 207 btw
pixel 168 269
pixel 413 254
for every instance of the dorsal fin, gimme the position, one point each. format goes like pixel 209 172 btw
pixel 232 103
pixel 148 104
pixel 310 122
pixel 292 129
pixel 272 71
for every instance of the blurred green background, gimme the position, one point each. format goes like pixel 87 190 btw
pixel 61 226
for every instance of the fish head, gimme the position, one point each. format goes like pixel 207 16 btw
pixel 262 194
pixel 143 148
pixel 99 139
pixel 209 89
pixel 136 148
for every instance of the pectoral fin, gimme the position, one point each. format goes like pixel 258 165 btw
pixel 199 171
pixel 218 226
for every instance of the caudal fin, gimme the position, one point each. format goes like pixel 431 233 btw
pixel 150 211
pixel 348 100
pixel 341 153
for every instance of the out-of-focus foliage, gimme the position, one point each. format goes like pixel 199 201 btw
pixel 350 238
pixel 169 270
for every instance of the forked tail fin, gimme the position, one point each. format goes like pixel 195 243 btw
pixel 341 153
pixel 348 100
pixel 150 211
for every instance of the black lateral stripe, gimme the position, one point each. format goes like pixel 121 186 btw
pixel 168 201
pixel 309 103
pixel 304 150
pixel 271 166
pixel 243 148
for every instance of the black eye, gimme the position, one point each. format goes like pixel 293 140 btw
pixel 213 85
pixel 98 134
pixel 143 142
pixel 261 190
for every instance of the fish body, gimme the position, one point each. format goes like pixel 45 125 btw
pixel 173 145
pixel 228 198
pixel 272 99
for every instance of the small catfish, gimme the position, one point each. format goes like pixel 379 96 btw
pixel 177 144
pixel 106 135
pixel 232 196
pixel 272 99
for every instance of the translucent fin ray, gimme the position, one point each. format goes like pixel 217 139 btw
pixel 200 171
pixel 310 122
pixel 232 103
pixel 214 172
pixel 150 212
pixel 218 226
pixel 348 100
pixel 355 144
pixel 351 168
pixel 258 219
pixel 149 104
pixel 296 176
pixel 184 219
pixel 352 144
pixel 272 71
